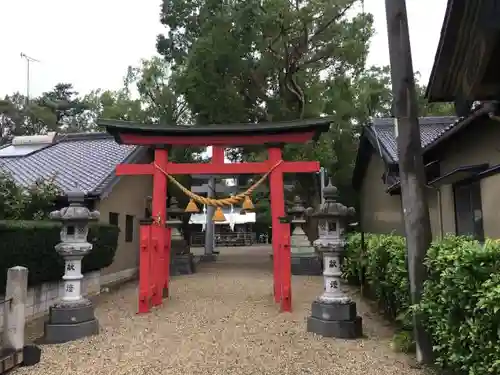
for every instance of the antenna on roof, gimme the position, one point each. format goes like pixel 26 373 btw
pixel 28 61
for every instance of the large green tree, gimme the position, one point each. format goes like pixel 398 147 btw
pixel 56 110
pixel 252 60
pixel 148 95
pixel 271 60
pixel 64 105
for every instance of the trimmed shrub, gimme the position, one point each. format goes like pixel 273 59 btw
pixel 461 304
pixel 382 268
pixel 386 273
pixel 31 244
pixel 461 301
pixel 354 262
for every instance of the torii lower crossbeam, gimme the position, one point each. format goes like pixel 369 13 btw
pixel 280 231
pixel 218 169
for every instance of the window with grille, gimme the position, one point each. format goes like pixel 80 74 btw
pixel 129 228
pixel 113 218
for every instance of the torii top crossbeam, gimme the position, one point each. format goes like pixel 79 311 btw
pixel 298 131
pixel 219 136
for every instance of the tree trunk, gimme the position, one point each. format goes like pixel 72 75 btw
pixel 411 167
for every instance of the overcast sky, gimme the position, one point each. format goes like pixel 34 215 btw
pixel 90 43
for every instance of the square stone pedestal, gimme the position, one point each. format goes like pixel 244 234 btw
pixel 182 265
pixel 306 264
pixel 337 320
pixel 207 258
pixel 69 322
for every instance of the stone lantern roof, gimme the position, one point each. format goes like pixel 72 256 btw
pixel 297 211
pixel 174 212
pixel 76 211
pixel 330 208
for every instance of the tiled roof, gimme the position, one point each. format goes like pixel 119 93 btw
pixel 379 135
pixel 87 160
pixel 431 128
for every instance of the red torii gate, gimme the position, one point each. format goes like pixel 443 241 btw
pixel 273 135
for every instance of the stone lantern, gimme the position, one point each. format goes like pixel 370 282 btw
pixel 333 313
pixel 181 259
pixel 73 317
pixel 304 259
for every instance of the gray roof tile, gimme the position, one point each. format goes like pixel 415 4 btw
pixel 89 160
pixel 431 128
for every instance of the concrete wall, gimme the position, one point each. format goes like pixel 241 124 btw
pixel 435 215
pixel 128 197
pixel 380 212
pixel 41 297
pixel 490 194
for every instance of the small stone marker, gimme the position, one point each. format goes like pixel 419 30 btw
pixel 14 352
pixel 16 295
pixel 11 353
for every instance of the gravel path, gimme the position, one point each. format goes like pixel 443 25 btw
pixel 222 320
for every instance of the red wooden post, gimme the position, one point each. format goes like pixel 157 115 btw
pixel 154 269
pixel 277 201
pixel 286 271
pixel 217 155
pixel 168 247
pixel 159 212
pixel 144 266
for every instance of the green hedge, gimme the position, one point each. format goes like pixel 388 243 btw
pixel 31 244
pixel 382 268
pixel 461 301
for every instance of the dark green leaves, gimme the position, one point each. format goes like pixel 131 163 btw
pixel 34 248
pixel 461 300
pixel 32 203
pixel 460 304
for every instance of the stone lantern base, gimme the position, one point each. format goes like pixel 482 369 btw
pixel 69 322
pixel 181 259
pixel 182 264
pixel 306 264
pixel 337 319
pixel 207 258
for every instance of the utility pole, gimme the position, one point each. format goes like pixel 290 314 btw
pixel 322 183
pixel 411 167
pixel 28 61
